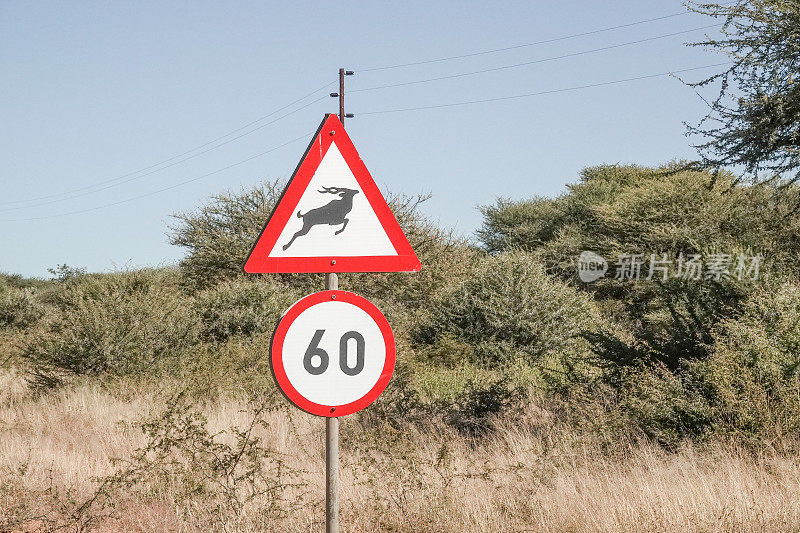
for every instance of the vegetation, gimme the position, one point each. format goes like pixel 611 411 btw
pixel 661 394
pixel 529 473
pixel 657 359
pixel 111 324
pixel 514 376
pixel 19 308
pixel 509 308
pixel 753 122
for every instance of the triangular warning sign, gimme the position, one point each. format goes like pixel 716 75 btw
pixel 331 216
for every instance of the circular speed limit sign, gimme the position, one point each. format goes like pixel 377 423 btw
pixel 332 353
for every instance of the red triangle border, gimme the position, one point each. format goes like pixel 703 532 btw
pixel 330 131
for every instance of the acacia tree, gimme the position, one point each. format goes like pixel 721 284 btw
pixel 754 122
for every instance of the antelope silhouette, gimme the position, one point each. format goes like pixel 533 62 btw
pixel 333 213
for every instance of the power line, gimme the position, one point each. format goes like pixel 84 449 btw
pixel 134 175
pixel 540 93
pixel 518 46
pixel 169 162
pixel 163 189
pixel 175 160
pixel 543 60
pixel 437 106
pixel 78 195
pixel 420 108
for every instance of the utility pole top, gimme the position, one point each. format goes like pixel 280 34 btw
pixel 340 94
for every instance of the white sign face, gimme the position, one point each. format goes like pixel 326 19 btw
pixel 333 217
pixel 332 353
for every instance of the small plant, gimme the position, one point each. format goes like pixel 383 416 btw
pixel 476 410
pixel 392 467
pixel 63 273
pixel 54 508
pixel 227 474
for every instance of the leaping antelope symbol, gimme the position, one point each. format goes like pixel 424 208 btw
pixel 333 213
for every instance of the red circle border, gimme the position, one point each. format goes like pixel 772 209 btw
pixel 276 353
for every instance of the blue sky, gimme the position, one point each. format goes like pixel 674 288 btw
pixel 100 97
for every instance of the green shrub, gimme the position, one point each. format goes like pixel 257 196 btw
pixel 18 282
pixel 510 307
pixel 522 225
pixel 747 386
pixel 627 209
pixel 475 411
pixel 219 235
pixel 120 323
pixel 666 405
pixel 19 308
pixel 753 372
pixel 242 307
pixel 666 322
pixel 618 210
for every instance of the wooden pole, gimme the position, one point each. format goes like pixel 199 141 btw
pixel 341 95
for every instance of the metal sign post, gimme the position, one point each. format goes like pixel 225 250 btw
pixel 332 423
pixel 332 450
pixel 333 352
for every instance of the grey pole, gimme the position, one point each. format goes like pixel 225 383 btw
pixel 332 423
pixel 331 452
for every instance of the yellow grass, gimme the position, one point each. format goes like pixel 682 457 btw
pixel 521 479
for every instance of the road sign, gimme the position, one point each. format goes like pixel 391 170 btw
pixel 332 353
pixel 331 216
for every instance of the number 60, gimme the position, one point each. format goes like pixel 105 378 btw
pixel 314 349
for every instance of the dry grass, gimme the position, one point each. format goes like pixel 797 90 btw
pixel 522 479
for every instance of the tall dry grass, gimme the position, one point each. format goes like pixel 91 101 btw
pixel 54 448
